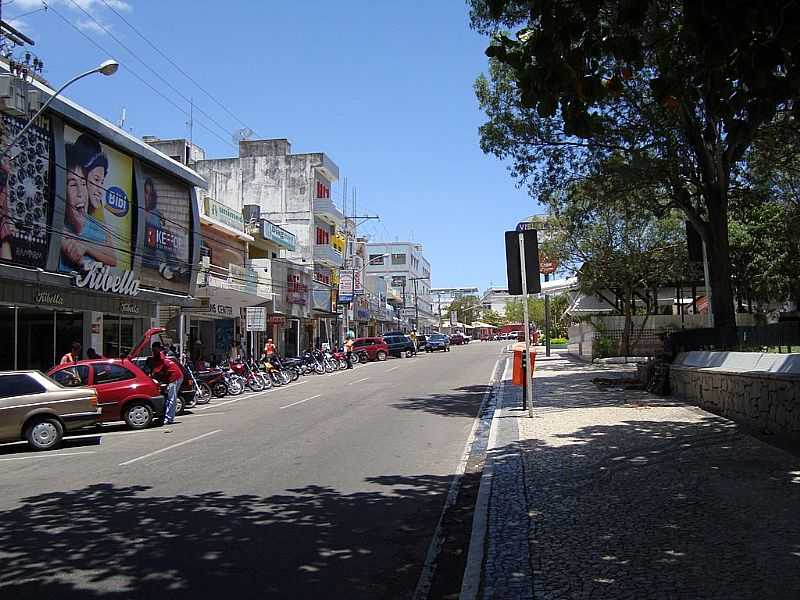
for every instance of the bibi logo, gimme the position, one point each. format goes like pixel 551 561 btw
pixel 117 201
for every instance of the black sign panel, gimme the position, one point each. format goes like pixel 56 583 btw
pixel 514 266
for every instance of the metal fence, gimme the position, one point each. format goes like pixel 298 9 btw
pixel 778 337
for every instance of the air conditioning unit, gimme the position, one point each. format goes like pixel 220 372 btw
pixel 13 98
pixel 205 263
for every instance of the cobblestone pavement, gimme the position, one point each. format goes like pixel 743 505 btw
pixel 635 496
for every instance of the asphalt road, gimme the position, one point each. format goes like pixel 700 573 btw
pixel 329 488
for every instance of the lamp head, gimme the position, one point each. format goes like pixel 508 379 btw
pixel 108 67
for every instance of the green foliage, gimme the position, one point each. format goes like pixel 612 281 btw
pixel 559 341
pixel 493 318
pixel 467 309
pixel 515 311
pixel 603 347
pixel 663 97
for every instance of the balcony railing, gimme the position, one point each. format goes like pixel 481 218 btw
pixel 328 256
pixel 325 209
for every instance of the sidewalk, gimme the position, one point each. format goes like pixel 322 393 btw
pixel 612 493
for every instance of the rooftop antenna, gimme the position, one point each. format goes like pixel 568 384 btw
pixel 122 117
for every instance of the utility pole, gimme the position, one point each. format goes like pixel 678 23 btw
pixel 416 307
pixel 547 319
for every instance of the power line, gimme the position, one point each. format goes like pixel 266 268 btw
pixel 148 67
pixel 174 64
pixel 139 77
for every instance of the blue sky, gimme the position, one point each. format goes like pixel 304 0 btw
pixel 384 88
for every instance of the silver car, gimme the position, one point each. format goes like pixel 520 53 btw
pixel 35 408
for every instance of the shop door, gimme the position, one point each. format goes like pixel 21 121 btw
pixel 69 329
pixel 35 340
pixel 290 338
pixel 6 334
pixel 118 333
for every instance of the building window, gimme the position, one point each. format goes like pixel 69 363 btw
pixel 376 259
pixel 323 237
pixel 398 259
pixel 323 191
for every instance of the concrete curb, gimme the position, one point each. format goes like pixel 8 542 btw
pixel 473 573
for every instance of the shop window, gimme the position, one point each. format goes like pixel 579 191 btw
pixel 109 373
pixel 398 259
pixel 323 237
pixel 72 376
pixel 19 384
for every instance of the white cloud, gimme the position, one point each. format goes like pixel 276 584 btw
pixel 92 26
pixel 87 5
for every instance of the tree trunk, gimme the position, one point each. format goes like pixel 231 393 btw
pixel 627 331
pixel 719 266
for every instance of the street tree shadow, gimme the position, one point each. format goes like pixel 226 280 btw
pixel 108 541
pixel 458 402
pixel 652 509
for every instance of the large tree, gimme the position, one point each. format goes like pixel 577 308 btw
pixel 677 91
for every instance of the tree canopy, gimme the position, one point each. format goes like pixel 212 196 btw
pixel 664 95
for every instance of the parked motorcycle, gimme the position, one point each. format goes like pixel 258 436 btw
pixel 251 380
pixel 202 387
pixel 312 364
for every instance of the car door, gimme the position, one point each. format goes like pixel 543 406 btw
pixel 113 384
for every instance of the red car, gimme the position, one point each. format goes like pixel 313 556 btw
pixel 374 348
pixel 124 391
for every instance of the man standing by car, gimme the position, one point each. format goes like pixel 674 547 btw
pixel 348 351
pixel 166 371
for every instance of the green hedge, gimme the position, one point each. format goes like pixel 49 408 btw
pixel 559 341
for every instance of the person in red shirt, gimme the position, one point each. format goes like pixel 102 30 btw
pixel 166 371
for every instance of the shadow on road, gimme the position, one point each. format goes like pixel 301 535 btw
pixel 106 541
pixel 460 402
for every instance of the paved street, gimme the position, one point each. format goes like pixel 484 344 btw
pixel 331 488
pixel 613 493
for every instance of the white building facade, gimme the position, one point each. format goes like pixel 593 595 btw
pixel 408 276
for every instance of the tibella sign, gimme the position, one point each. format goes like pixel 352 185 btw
pixel 51 298
pixel 105 279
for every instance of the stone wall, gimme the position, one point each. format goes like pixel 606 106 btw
pixel 769 402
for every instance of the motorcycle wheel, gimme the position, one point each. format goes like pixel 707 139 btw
pixel 354 358
pixel 319 369
pixel 328 365
pixel 235 387
pixel 341 364
pixel 204 393
pixel 220 390
pixel 190 403
pixel 276 378
pixel 265 380
pixel 286 378
pixel 295 373
pixel 255 384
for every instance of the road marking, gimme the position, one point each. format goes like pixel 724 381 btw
pixel 301 401
pixel 47 455
pixel 154 453
pixel 392 369
pixel 358 381
pixel 216 405
pixel 224 412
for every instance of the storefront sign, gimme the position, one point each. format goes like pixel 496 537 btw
pixel 224 214
pixel 358 282
pixel 256 318
pixel 345 287
pixel 221 309
pixel 105 279
pixel 276 320
pixel 285 239
pixel 129 308
pixel 51 298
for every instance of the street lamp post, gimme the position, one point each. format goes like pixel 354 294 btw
pixel 108 67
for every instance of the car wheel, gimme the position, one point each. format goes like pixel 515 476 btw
pixel 138 415
pixel 44 433
pixel 179 406
pixel 380 355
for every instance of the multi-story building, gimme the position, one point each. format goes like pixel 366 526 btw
pixel 442 297
pixel 496 299
pixel 408 275
pixel 292 191
pixel 241 264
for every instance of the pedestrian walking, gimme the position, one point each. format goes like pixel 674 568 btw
pixel 269 349
pixel 413 336
pixel 74 355
pixel 348 352
pixel 167 371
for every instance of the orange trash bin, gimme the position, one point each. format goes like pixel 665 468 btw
pixel 519 355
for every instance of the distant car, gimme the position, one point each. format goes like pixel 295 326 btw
pixel 39 410
pixel 373 348
pixel 399 344
pixel 457 339
pixel 467 338
pixel 437 341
